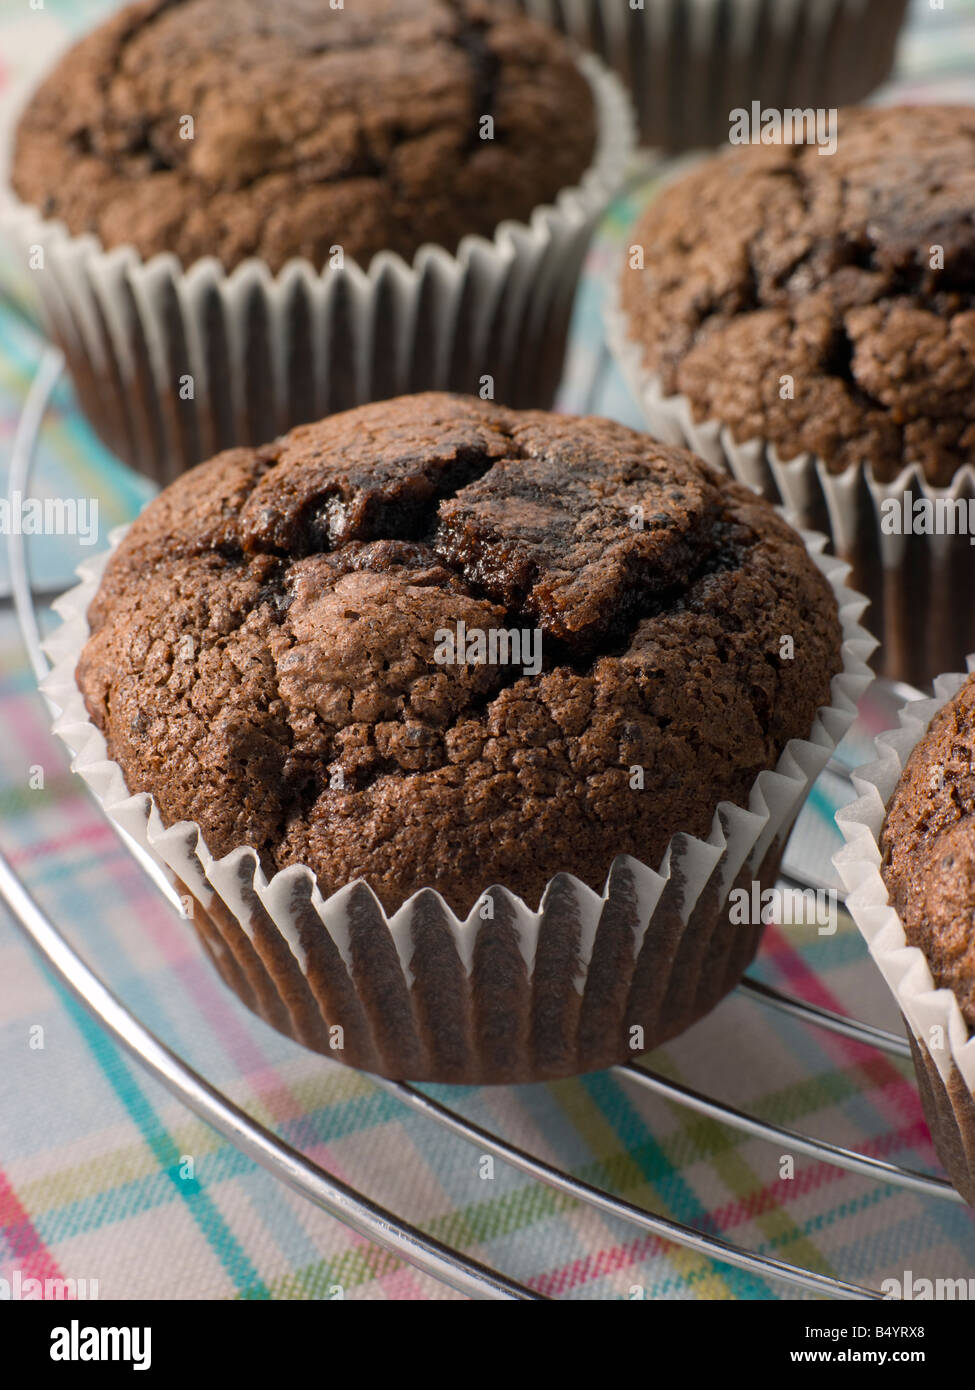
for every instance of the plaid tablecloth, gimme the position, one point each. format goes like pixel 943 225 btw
pixel 104 1177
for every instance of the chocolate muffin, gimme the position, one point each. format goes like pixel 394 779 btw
pixel 689 62
pixel 234 128
pixel 928 848
pixel 853 274
pixel 434 642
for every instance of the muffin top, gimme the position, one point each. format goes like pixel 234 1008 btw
pixel 928 848
pixel 852 273
pixel 434 642
pixel 311 127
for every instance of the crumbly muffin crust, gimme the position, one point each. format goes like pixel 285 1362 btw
pixel 928 848
pixel 775 261
pixel 262 656
pixel 313 127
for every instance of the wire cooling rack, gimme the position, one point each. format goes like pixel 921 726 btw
pixel 339 1199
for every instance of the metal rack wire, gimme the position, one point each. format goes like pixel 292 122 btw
pixel 340 1200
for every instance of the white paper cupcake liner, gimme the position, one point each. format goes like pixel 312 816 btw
pixel 266 352
pixel 943 1050
pixel 585 981
pixel 689 63
pixel 912 581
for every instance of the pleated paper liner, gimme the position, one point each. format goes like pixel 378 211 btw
pixel 508 993
pixel 913 581
pixel 266 352
pixel 943 1051
pixel 689 63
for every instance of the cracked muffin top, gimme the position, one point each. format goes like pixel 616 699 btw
pixel 852 273
pixel 270 644
pixel 928 848
pixel 312 127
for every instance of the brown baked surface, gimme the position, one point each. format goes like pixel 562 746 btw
pixel 928 848
pixel 270 620
pixel 775 260
pixel 314 127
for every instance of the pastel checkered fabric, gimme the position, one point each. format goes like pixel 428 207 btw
pixel 105 1177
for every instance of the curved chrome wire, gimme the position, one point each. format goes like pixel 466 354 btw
pixel 454 1269
pixel 21 461
pixel 674 1231
pixel 825 1018
pixel 21 458
pixel 877 1168
pixel 252 1138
